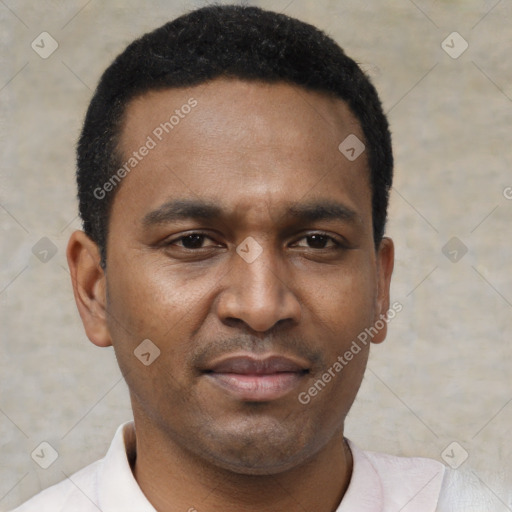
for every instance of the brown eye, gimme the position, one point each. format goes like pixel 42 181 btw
pixel 192 241
pixel 318 241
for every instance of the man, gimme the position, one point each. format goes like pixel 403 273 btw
pixel 233 176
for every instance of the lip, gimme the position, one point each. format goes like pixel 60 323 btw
pixel 257 379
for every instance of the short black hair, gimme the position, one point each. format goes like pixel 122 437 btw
pixel 233 41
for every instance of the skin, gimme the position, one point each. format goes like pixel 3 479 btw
pixel 254 150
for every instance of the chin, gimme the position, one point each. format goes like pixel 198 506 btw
pixel 264 448
pixel 256 463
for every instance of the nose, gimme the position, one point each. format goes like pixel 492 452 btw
pixel 258 293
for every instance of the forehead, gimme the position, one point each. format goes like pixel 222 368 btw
pixel 248 142
pixel 239 110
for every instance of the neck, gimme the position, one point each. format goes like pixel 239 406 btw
pixel 175 480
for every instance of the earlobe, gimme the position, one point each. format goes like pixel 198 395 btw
pixel 89 287
pixel 385 264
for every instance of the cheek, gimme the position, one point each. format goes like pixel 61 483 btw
pixel 347 298
pixel 345 309
pixel 144 304
pixel 151 299
pixel 156 301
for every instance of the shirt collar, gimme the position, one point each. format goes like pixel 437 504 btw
pixel 379 482
pixel 386 483
pixel 118 489
pixel 364 492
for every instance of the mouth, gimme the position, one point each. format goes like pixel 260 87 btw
pixel 254 379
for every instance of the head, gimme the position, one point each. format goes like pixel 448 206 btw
pixel 223 41
pixel 223 223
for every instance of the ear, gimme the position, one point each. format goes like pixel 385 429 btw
pixel 385 263
pixel 89 287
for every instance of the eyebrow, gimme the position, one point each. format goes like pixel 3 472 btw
pixel 184 209
pixel 322 210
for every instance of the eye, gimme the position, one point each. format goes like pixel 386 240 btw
pixel 197 241
pixel 191 241
pixel 319 241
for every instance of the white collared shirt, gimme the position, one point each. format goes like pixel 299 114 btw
pixel 379 483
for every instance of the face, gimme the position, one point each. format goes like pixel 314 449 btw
pixel 241 245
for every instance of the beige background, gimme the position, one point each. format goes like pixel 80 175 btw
pixel 442 376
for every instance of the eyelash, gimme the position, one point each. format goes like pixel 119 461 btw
pixel 337 243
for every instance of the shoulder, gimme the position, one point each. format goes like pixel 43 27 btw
pixel 465 491
pixel 77 492
pixel 390 483
pixel 411 483
pixel 418 479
